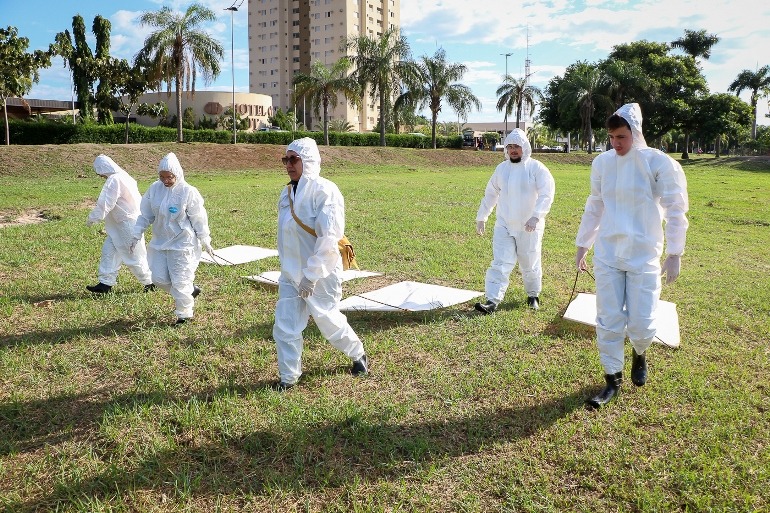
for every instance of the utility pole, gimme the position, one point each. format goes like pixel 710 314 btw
pixel 233 9
pixel 506 80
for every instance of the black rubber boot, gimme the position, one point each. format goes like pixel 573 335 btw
pixel 638 369
pixel 533 302
pixel 487 308
pixel 99 288
pixel 196 291
pixel 360 367
pixel 610 391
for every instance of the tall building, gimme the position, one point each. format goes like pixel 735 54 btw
pixel 285 36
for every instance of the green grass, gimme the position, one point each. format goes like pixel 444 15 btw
pixel 105 407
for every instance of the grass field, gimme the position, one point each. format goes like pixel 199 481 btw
pixel 104 406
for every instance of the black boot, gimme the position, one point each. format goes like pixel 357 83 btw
pixel 533 302
pixel 609 392
pixel 99 288
pixel 487 308
pixel 360 366
pixel 638 369
pixel 196 291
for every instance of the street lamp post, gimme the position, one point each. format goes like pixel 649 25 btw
pixel 233 10
pixel 506 79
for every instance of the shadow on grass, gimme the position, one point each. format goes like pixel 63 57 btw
pixel 64 335
pixel 292 457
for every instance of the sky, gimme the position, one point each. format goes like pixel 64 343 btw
pixel 552 34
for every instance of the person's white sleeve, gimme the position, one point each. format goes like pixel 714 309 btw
pixel 199 218
pixel 546 189
pixel 675 204
pixel 107 200
pixel 329 226
pixel 146 216
pixel 489 201
pixel 592 215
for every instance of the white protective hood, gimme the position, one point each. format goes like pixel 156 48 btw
pixel 518 137
pixel 105 166
pixel 632 113
pixel 311 157
pixel 171 163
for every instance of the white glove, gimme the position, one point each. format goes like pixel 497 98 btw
pixel 209 249
pixel 531 224
pixel 580 258
pixel 306 287
pixel 480 227
pixel 671 268
pixel 132 246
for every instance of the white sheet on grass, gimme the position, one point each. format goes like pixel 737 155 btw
pixel 582 309
pixel 408 296
pixel 233 255
pixel 271 277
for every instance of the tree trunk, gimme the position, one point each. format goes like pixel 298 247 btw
pixel 129 114
pixel 326 120
pixel 685 154
pixel 433 117
pixel 382 116
pixel 7 129
pixel 179 135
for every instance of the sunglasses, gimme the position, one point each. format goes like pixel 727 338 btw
pixel 293 159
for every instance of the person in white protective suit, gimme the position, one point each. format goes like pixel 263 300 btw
pixel 180 227
pixel 634 190
pixel 118 207
pixel 311 266
pixel 522 188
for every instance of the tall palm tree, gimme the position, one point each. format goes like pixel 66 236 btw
pixel 381 64
pixel 323 84
pixel 696 43
pixel 625 80
pixel 758 82
pixel 432 80
pixel 179 50
pixel 583 89
pixel 518 94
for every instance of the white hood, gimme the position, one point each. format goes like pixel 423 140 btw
pixel 171 163
pixel 311 157
pixel 105 166
pixel 633 114
pixel 519 138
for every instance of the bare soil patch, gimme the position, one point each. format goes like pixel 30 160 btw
pixel 28 217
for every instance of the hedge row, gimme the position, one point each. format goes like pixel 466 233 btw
pixel 25 132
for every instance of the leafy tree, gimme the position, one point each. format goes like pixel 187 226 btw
pixel 584 89
pixel 433 79
pixel 179 50
pixel 154 110
pixel 758 82
pixel 80 61
pixel 625 80
pixel 225 121
pixel 127 84
pixel 285 120
pixel 104 99
pixel 18 69
pixel 323 84
pixel 381 65
pixel 518 94
pixel 696 43
pixel 340 125
pixel 722 115
pixel 189 118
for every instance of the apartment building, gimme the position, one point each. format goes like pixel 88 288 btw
pixel 285 36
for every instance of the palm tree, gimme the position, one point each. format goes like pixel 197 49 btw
pixel 696 43
pixel 519 94
pixel 323 85
pixel 625 80
pixel 758 82
pixel 340 125
pixel 433 79
pixel 582 88
pixel 179 50
pixel 380 64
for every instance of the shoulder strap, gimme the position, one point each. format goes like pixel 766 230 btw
pixel 300 223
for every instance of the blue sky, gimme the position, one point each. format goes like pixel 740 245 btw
pixel 554 34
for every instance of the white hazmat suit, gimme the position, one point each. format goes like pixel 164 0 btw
pixel 179 229
pixel 118 207
pixel 631 197
pixel 521 191
pixel 315 261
